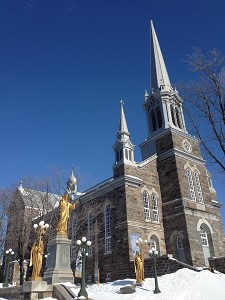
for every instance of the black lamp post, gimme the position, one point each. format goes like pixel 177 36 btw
pixel 153 254
pixel 8 253
pixel 83 246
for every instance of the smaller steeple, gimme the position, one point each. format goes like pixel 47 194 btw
pixel 123 133
pixel 123 148
pixel 71 184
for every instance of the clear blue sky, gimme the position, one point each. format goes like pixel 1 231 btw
pixel 65 65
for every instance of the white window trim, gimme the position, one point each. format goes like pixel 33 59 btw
pixel 190 183
pixel 108 237
pixel 198 186
pixel 146 206
pixel 155 211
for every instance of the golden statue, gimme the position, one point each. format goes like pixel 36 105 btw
pixel 139 267
pixel 64 212
pixel 36 255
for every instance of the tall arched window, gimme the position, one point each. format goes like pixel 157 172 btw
pixel 74 239
pixel 178 118
pixel 153 117
pixel 153 243
pixel 204 237
pixel 130 155
pixel 172 114
pixel 159 116
pixel 146 206
pixel 107 229
pixel 90 232
pixel 179 243
pixel 198 187
pixel 191 184
pixel 126 154
pixel 74 231
pixel 155 208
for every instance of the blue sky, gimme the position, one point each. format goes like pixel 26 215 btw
pixel 65 65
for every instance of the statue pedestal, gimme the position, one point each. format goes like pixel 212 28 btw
pixel 58 261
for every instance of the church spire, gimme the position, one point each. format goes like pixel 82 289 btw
pixel 163 105
pixel 123 133
pixel 123 147
pixel 159 76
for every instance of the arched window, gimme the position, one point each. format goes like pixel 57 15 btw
pixel 155 208
pixel 74 231
pixel 172 115
pixel 107 229
pixel 190 183
pixel 210 182
pixel 121 154
pixel 198 187
pixel 74 239
pixel 146 206
pixel 159 116
pixel 153 117
pixel 130 155
pixel 126 154
pixel 179 243
pixel 153 243
pixel 90 232
pixel 178 118
pixel 204 237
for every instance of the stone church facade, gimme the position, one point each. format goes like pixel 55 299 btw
pixel 167 199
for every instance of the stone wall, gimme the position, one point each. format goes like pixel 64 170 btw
pixel 165 265
pixel 217 263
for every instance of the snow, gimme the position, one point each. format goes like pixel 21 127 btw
pixel 184 284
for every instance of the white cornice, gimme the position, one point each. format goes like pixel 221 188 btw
pixel 172 130
pixel 182 154
pixel 147 161
pixel 110 185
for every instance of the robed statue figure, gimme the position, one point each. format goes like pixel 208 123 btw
pixel 36 256
pixel 139 267
pixel 64 212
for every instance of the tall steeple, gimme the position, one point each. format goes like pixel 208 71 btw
pixel 163 105
pixel 123 147
pixel 159 75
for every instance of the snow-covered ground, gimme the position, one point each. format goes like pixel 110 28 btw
pixel 185 284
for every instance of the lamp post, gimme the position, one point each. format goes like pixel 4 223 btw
pixel 83 246
pixel 153 254
pixel 8 253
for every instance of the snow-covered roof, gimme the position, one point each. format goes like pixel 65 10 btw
pixel 38 199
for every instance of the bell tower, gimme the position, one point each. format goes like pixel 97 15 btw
pixel 123 147
pixel 163 107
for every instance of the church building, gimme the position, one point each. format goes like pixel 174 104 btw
pixel 167 199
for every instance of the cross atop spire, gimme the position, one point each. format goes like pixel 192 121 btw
pixel 159 76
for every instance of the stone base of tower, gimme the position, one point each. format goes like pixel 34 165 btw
pixel 58 261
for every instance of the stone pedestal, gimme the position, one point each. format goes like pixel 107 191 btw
pixel 33 290
pixel 58 261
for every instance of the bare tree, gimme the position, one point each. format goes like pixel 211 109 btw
pixel 33 200
pixel 5 197
pixel 205 102
pixel 27 204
